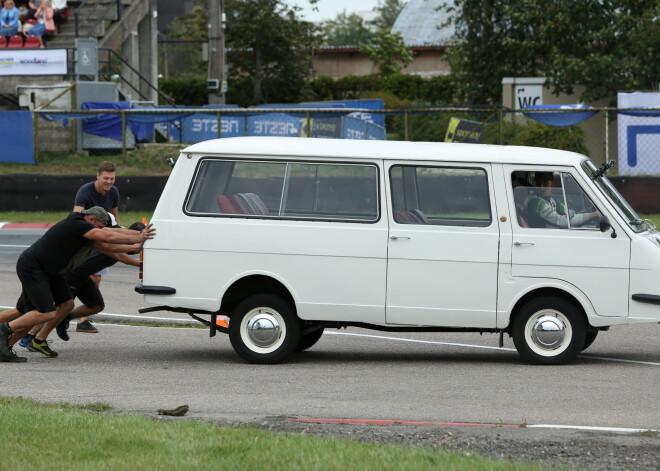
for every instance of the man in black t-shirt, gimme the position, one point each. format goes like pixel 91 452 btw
pixel 39 268
pixel 101 192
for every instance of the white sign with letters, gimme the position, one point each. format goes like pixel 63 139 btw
pixel 33 62
pixel 528 95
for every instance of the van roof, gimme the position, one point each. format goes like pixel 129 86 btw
pixel 369 149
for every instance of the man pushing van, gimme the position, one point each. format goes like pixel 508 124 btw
pixel 39 270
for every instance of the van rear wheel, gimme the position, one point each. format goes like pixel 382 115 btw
pixel 548 331
pixel 264 329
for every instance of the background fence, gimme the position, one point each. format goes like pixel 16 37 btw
pixel 631 136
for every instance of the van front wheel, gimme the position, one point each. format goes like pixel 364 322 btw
pixel 548 331
pixel 264 329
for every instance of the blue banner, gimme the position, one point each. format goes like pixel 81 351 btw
pixel 354 129
pixel 566 115
pixel 274 124
pixel 17 137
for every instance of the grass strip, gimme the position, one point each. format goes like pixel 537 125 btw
pixel 126 218
pixel 64 436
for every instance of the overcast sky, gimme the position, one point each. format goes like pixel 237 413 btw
pixel 329 9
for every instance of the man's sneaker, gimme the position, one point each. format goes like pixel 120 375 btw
pixel 42 347
pixel 26 341
pixel 86 327
pixel 5 333
pixel 12 357
pixel 61 330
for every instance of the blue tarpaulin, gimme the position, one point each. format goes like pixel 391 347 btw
pixel 569 115
pixel 17 137
pixel 109 125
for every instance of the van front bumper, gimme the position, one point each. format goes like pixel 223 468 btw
pixel 147 289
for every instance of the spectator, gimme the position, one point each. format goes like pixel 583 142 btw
pixel 44 16
pixel 9 19
pixel 59 9
pixel 23 8
pixel 33 6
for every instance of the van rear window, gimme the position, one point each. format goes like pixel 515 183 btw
pixel 285 190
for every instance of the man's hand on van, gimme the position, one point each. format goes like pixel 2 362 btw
pixel 148 232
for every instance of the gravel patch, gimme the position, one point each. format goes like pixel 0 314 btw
pixel 586 450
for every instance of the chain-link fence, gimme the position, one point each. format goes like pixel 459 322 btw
pixel 629 136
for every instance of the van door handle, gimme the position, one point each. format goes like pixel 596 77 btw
pixel 399 237
pixel 523 243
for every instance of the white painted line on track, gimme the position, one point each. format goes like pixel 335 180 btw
pixel 16 246
pixel 486 347
pixel 594 429
pixel 383 337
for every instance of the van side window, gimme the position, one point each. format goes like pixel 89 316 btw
pixel 331 191
pixel 237 187
pixel 285 190
pixel 440 195
pixel 552 200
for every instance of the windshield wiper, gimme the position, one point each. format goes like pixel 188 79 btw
pixel 603 170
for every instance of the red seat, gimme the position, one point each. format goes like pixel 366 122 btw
pixel 15 42
pixel 32 42
pixel 3 42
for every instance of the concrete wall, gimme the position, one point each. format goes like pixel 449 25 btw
pixel 338 62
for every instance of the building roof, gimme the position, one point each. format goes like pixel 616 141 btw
pixel 421 23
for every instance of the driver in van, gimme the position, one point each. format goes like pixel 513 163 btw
pixel 544 210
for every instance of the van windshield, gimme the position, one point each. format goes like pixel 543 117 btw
pixel 613 195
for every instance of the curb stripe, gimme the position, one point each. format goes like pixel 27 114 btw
pixel 466 424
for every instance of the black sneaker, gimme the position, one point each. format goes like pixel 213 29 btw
pixel 5 333
pixel 42 347
pixel 12 357
pixel 61 330
pixel 86 327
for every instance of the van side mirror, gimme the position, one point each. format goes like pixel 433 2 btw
pixel 606 226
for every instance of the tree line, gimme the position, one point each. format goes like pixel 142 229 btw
pixel 605 45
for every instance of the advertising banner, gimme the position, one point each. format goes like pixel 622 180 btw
pixel 17 137
pixel 464 130
pixel 33 62
pixel 639 135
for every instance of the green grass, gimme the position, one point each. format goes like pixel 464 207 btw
pixel 125 219
pixel 146 160
pixel 62 436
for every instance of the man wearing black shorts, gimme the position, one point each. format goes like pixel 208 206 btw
pixel 39 269
pixel 82 287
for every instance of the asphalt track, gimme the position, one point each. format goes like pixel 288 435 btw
pixel 353 375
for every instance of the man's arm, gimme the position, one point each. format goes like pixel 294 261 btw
pixel 115 213
pixel 118 251
pixel 77 209
pixel 125 258
pixel 115 236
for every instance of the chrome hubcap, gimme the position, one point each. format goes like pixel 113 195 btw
pixel 263 330
pixel 548 332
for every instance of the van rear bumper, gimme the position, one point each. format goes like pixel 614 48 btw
pixel 147 289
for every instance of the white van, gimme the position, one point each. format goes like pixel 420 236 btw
pixel 287 237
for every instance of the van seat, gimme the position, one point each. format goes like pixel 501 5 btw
pixel 414 216
pixel 242 203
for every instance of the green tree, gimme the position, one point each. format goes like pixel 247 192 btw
pixel 605 45
pixel 388 13
pixel 271 45
pixel 388 51
pixel 346 30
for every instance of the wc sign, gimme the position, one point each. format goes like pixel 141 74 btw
pixel 528 95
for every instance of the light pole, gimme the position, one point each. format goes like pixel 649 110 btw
pixel 216 71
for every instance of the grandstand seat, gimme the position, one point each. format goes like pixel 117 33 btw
pixel 32 42
pixel 3 42
pixel 15 42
